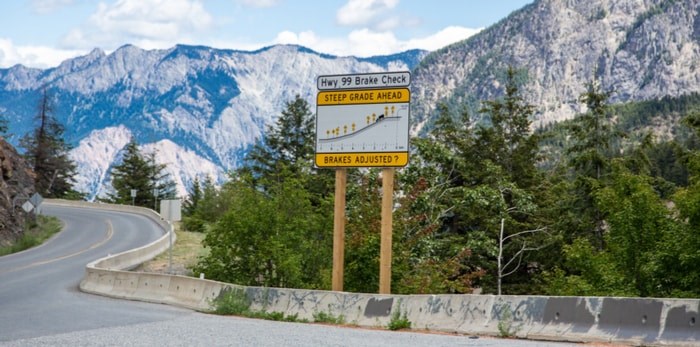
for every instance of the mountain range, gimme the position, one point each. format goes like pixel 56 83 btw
pixel 638 49
pixel 201 108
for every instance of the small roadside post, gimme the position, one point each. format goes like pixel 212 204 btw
pixel 155 199
pixel 133 196
pixel 170 210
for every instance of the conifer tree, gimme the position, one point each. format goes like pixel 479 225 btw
pixel 194 196
pixel 141 173
pixel 286 151
pixel 589 157
pixel 289 143
pixel 3 126
pixel 508 142
pixel 47 153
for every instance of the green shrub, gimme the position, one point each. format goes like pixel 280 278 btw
pixel 505 324
pixel 232 301
pixel 323 317
pixel 399 321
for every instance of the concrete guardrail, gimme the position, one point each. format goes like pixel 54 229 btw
pixel 637 321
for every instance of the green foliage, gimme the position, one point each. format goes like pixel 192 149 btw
pixel 399 321
pixel 280 240
pixel 141 173
pixel 329 318
pixel 47 153
pixel 3 126
pixel 287 150
pixel 203 206
pixel 505 326
pixel 271 224
pixel 467 178
pixel 36 234
pixel 233 301
pixel 621 212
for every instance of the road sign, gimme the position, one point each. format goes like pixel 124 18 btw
pixel 27 206
pixel 36 200
pixel 362 128
pixel 364 81
pixel 170 210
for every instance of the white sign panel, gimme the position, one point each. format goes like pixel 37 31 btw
pixel 27 206
pixel 364 81
pixel 170 210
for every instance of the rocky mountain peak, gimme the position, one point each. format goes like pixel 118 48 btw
pixel 640 49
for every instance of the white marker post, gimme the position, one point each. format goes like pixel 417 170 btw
pixel 170 210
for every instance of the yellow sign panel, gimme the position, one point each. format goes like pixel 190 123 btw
pixel 368 96
pixel 383 159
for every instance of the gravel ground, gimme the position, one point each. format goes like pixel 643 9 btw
pixel 197 329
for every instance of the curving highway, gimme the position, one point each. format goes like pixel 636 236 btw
pixel 39 293
pixel 40 304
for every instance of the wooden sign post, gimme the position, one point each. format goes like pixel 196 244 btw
pixel 387 230
pixel 341 177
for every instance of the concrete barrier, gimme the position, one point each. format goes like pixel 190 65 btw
pixel 638 321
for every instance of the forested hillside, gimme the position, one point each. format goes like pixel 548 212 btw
pixel 586 208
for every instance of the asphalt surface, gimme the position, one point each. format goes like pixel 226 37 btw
pixel 39 293
pixel 40 304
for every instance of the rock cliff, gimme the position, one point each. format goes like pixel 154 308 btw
pixel 16 186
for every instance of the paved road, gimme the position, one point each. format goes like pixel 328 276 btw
pixel 39 293
pixel 40 304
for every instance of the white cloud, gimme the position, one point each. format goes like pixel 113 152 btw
pixel 260 3
pixel 360 43
pixel 33 56
pixel 363 12
pixel 442 38
pixel 145 23
pixel 365 42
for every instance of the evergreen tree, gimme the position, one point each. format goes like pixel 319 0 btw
pixel 287 150
pixel 508 141
pixel 204 205
pixel 194 196
pixel 3 126
pixel 288 143
pixel 47 153
pixel 270 224
pixel 589 157
pixel 462 183
pixel 140 173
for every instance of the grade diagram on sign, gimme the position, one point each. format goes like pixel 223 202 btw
pixel 367 128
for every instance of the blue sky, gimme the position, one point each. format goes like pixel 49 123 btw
pixel 42 33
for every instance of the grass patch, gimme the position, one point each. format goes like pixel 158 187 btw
pixel 399 321
pixel 187 248
pixel 327 317
pixel 36 233
pixel 234 302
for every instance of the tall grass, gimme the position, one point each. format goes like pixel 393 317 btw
pixel 35 234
